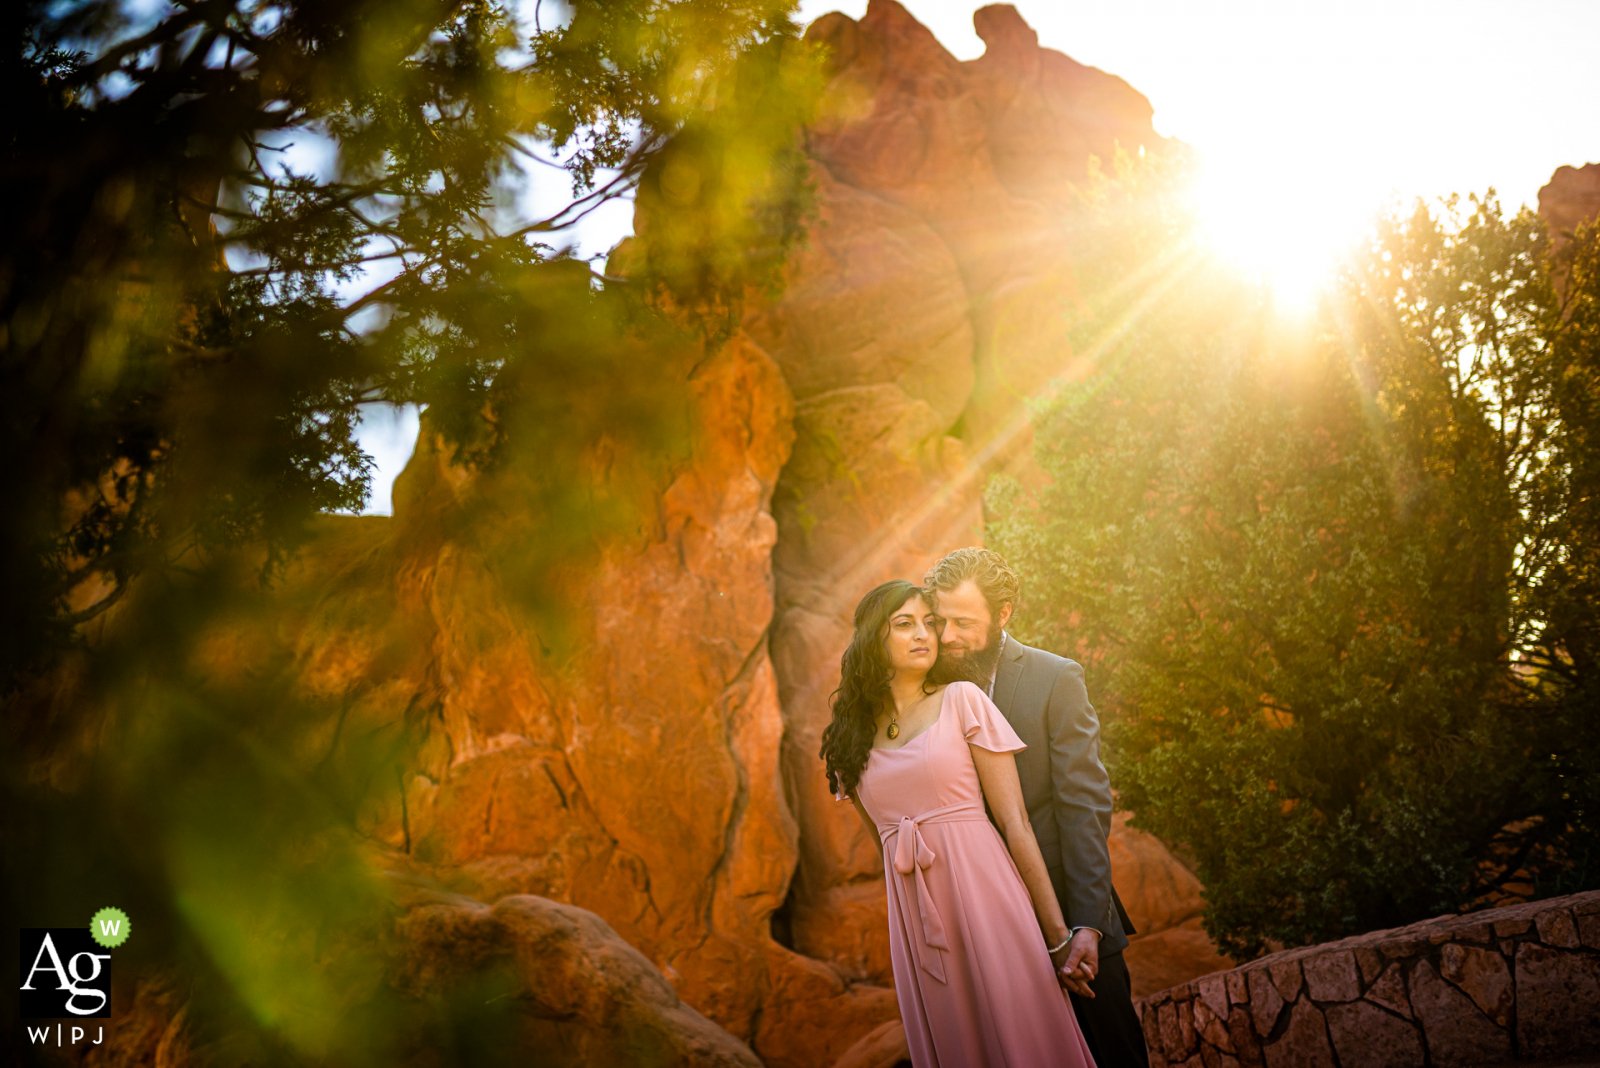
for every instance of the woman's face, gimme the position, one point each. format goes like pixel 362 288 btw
pixel 911 644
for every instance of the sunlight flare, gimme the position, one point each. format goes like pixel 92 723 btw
pixel 1277 226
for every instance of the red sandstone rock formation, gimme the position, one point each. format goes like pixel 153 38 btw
pixel 926 309
pixel 1163 901
pixel 1572 196
pixel 636 776
pixel 978 152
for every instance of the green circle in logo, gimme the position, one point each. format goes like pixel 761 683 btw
pixel 110 927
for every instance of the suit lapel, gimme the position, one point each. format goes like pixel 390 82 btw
pixel 1009 676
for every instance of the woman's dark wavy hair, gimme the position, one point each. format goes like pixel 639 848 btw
pixel 864 675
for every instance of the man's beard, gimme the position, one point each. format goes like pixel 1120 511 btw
pixel 976 667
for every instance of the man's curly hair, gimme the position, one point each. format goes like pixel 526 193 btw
pixel 996 581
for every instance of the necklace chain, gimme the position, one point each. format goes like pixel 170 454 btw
pixel 893 730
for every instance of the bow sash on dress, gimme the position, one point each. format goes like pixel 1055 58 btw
pixel 911 857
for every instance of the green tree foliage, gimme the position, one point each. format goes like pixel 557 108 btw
pixel 1334 583
pixel 182 405
pixel 189 322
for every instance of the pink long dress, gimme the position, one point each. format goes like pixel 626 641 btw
pixel 971 970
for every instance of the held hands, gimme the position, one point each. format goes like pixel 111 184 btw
pixel 1078 962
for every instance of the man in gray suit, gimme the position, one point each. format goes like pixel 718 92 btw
pixel 1064 785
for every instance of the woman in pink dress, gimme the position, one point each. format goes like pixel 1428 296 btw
pixel 975 931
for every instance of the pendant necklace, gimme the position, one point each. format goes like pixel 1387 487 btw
pixel 894 724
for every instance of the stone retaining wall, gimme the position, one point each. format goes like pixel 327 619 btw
pixel 1483 988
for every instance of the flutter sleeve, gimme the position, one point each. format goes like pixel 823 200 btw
pixel 982 723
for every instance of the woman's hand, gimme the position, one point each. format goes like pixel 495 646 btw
pixel 1078 962
pixel 1058 961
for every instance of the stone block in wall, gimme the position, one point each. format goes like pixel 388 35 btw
pixel 1150 1023
pixel 1266 1004
pixel 1483 975
pixel 1177 1030
pixel 1389 991
pixel 1364 1034
pixel 1286 977
pixel 1556 928
pixel 1446 992
pixel 1212 1028
pixel 1557 994
pixel 1513 925
pixel 1304 1044
pixel 1401 948
pixel 1457 1031
pixel 1246 1043
pixel 1332 977
pixel 1589 931
pixel 1213 990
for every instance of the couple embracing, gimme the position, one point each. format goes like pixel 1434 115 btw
pixel 1006 937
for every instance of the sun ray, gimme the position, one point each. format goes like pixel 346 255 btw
pixel 1279 226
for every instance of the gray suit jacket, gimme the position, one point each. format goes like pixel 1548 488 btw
pixel 1064 785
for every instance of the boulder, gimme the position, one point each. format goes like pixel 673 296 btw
pixel 581 995
pixel 883 1047
pixel 525 980
pixel 1156 889
pixel 1172 956
pixel 1163 899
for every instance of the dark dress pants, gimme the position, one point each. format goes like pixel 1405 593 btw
pixel 1108 1020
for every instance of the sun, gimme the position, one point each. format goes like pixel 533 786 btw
pixel 1274 228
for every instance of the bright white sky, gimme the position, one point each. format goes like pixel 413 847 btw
pixel 1310 117
pixel 1422 96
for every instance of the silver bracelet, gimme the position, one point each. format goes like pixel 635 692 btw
pixel 1063 945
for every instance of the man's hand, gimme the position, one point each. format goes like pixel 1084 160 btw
pixel 1082 963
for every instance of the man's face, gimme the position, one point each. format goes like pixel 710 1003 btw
pixel 969 636
pixel 964 620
